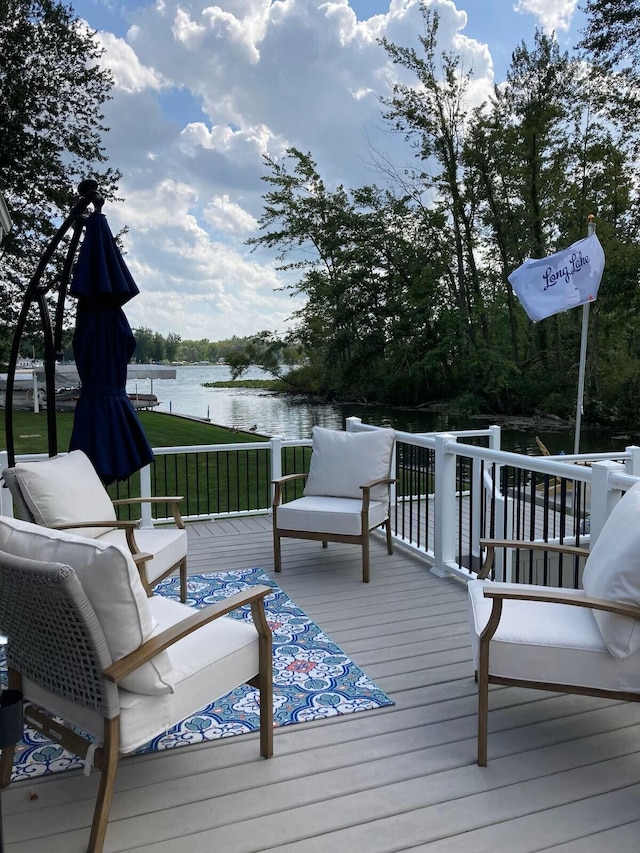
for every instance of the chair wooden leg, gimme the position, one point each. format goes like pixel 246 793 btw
pixel 183 581
pixel 264 680
pixel 387 524
pixel 6 764
pixel 365 558
pixel 277 556
pixel 109 765
pixel 482 677
pixel 266 697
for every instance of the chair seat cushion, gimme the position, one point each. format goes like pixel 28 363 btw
pixel 65 490
pixel 167 544
pixel 112 584
pixel 341 462
pixel 338 516
pixel 550 643
pixel 207 664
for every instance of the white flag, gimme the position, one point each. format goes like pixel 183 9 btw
pixel 546 286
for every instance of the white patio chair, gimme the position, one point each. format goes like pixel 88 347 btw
pixel 347 492
pixel 87 645
pixel 584 641
pixel 65 492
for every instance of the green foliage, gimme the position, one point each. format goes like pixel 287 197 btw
pixel 265 384
pixel 52 90
pixel 612 33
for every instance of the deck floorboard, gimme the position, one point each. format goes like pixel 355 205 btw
pixel 563 773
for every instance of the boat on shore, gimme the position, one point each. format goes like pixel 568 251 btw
pixel 66 400
pixel 26 387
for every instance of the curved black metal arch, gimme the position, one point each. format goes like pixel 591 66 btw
pixel 52 332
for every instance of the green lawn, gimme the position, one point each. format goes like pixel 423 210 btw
pixel 210 482
pixel 162 430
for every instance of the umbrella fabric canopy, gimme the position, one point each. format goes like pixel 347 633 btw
pixel 105 425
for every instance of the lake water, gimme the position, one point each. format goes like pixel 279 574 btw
pixel 272 414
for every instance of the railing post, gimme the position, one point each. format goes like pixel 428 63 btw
pixel 632 465
pixel 603 497
pixel 276 464
pixel 444 505
pixel 495 437
pixel 352 424
pixel 145 492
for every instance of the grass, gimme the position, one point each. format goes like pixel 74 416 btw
pixel 264 384
pixel 212 482
pixel 163 430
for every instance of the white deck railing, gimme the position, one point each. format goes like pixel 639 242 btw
pixel 459 496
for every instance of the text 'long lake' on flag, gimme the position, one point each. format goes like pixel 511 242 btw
pixel 546 286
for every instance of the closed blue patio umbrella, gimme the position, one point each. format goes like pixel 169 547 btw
pixel 105 426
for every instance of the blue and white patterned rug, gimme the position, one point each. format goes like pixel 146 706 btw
pixel 312 679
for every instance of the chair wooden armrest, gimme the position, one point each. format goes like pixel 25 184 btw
pixel 152 647
pixel 568 597
pixel 174 500
pixel 525 545
pixel 500 594
pixel 127 526
pixel 379 482
pixel 280 482
pixel 288 477
pixel 366 490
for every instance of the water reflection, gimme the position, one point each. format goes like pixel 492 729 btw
pixel 271 414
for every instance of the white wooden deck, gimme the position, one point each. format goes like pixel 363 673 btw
pixel 563 773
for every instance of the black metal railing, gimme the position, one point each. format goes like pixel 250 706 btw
pixel 413 511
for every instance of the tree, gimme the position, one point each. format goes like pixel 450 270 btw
pixel 371 265
pixel 171 346
pixel 52 90
pixel 144 345
pixel 612 34
pixel 433 114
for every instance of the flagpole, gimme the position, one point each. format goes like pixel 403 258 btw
pixel 591 227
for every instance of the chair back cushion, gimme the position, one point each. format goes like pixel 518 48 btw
pixel 612 572
pixel 112 584
pixel 20 508
pixel 341 462
pixel 65 490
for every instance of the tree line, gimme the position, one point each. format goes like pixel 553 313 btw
pixel 239 353
pixel 407 296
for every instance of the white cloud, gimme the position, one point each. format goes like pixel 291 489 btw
pixel 205 91
pixel 226 215
pixel 553 15
pixel 129 74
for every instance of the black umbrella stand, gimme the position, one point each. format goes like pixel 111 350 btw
pixel 43 281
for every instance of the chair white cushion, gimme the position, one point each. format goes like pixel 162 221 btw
pixel 65 490
pixel 167 544
pixel 612 572
pixel 339 516
pixel 112 584
pixel 207 664
pixel 551 643
pixel 341 462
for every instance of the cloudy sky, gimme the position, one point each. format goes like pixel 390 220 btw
pixel 204 90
